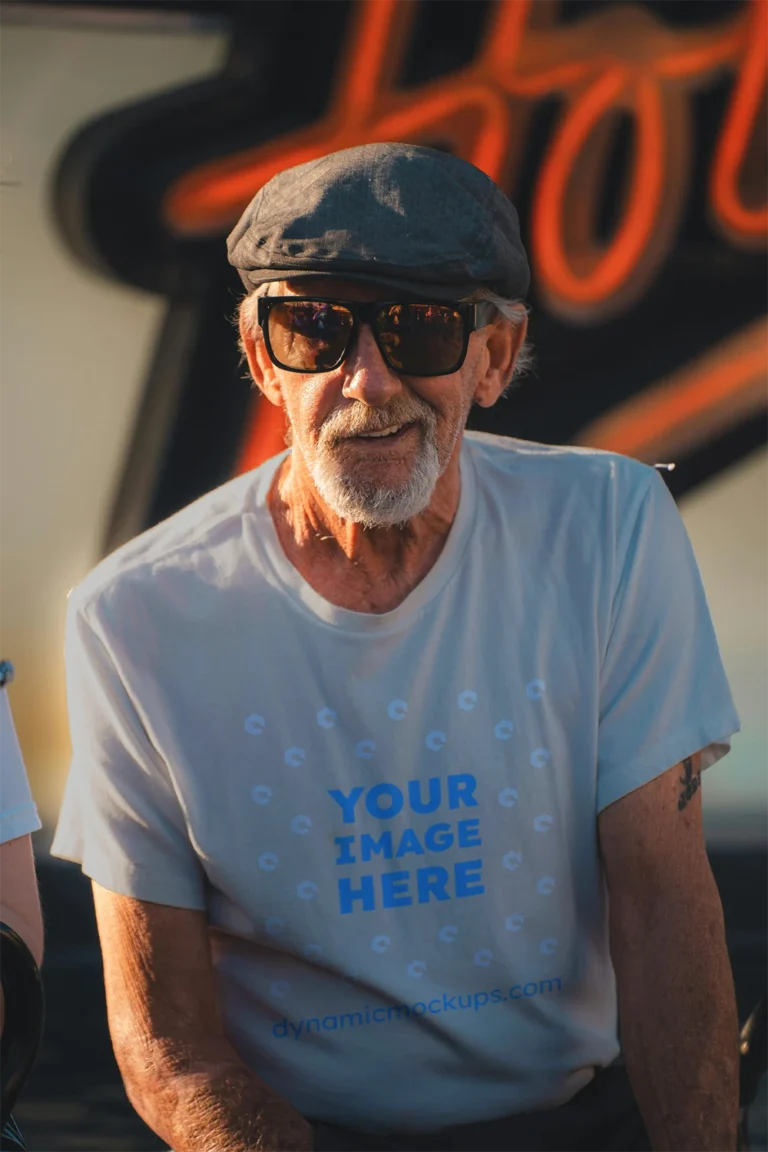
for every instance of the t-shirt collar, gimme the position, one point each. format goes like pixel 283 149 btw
pixel 293 584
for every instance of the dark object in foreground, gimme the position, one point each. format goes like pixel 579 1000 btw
pixel 752 1065
pixel 22 1029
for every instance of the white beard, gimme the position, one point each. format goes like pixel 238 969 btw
pixel 373 506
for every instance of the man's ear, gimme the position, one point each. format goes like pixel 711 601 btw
pixel 502 347
pixel 259 364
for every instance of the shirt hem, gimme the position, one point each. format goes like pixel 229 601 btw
pixel 20 821
pixel 140 885
pixel 711 737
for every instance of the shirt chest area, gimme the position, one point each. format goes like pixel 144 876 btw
pixel 383 793
pixel 376 734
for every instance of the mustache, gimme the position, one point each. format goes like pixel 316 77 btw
pixel 342 425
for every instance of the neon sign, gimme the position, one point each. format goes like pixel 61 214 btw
pixel 620 60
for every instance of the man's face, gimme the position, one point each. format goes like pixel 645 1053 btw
pixel 383 481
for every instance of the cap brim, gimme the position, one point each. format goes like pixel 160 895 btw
pixel 416 288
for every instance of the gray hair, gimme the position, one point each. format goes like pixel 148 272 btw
pixel 247 311
pixel 516 312
pixel 513 310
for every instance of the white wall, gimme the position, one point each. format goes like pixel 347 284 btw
pixel 73 354
pixel 727 521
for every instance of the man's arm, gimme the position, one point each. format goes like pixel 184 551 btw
pixel 677 1007
pixel 180 1072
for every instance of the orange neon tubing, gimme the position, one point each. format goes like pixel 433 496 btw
pixel 492 142
pixel 365 58
pixel 265 436
pixel 210 190
pixel 505 35
pixel 640 423
pixel 634 233
pixel 540 84
pixel 735 136
pixel 363 109
pixel 696 58
pixel 215 193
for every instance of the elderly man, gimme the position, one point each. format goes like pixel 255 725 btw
pixel 387 754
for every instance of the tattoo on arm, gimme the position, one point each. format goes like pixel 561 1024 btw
pixel 690 784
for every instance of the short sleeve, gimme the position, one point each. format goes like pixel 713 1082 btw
pixel 663 690
pixel 120 818
pixel 18 811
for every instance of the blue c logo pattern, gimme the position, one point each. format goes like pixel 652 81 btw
pixel 327 718
pixel 365 749
pixel 417 968
pixel 503 729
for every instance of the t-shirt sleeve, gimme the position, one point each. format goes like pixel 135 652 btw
pixel 18 811
pixel 120 818
pixel 663 690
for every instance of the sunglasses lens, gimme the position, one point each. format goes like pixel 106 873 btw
pixel 421 339
pixel 309 336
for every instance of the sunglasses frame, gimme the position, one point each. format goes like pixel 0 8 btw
pixel 474 316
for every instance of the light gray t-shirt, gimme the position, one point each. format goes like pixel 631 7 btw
pixel 18 811
pixel 390 819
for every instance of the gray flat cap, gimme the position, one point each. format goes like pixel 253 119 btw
pixel 411 218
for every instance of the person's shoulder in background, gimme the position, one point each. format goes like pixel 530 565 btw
pixel 19 818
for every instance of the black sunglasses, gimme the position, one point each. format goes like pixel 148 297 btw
pixel 311 334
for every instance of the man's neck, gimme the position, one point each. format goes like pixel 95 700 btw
pixel 375 567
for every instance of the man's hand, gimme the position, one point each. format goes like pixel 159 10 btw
pixel 180 1072
pixel 677 1008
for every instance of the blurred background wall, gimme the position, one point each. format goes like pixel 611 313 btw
pixel 131 135
pixel 75 345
